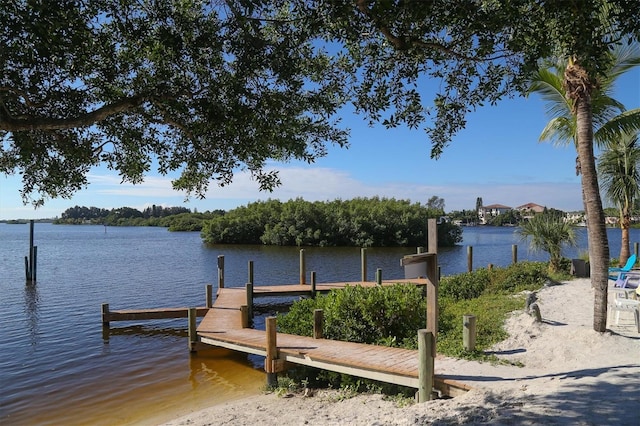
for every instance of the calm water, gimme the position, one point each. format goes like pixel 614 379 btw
pixel 57 367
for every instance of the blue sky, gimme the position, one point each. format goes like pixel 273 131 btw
pixel 497 157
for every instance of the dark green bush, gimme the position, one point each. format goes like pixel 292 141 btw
pixel 518 277
pixel 465 286
pixel 381 315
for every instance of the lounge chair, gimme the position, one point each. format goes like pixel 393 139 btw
pixel 623 302
pixel 619 273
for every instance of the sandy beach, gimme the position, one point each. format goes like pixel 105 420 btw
pixel 571 375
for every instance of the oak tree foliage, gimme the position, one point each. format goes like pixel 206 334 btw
pixel 201 88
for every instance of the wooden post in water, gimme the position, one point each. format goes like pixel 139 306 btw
pixel 271 360
pixel 105 314
pixel 208 295
pixel 363 264
pixel 426 351
pixel 469 332
pixel 193 335
pixel 469 259
pixel 220 271
pixel 318 323
pixel 313 284
pixel 378 276
pixel 31 260
pixel 635 248
pixel 249 290
pixel 514 254
pixel 303 268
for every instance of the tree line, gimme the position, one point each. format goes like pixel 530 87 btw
pixel 174 218
pixel 361 222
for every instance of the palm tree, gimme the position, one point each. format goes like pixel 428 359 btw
pixel 548 233
pixel 578 103
pixel 620 179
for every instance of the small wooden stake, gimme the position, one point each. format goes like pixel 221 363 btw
pixel 469 332
pixel 470 259
pixel 514 254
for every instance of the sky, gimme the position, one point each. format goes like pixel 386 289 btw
pixel 496 157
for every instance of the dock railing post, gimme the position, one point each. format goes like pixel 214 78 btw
pixel 221 271
pixel 514 254
pixel 250 272
pixel 303 272
pixel 363 264
pixel 425 365
pixel 270 362
pixel 470 259
pixel 208 296
pixel 313 284
pixel 318 323
pixel 244 314
pixel 193 335
pixel 249 290
pixel 378 276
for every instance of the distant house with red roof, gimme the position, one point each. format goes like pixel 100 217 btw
pixel 530 208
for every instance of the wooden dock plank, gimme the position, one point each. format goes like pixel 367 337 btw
pixel 222 327
pixel 149 314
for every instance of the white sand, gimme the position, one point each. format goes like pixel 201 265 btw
pixel 571 375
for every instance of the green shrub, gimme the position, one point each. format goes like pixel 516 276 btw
pixel 379 315
pixel 490 311
pixel 464 286
pixel 518 277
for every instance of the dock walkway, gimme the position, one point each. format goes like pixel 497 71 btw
pixel 222 326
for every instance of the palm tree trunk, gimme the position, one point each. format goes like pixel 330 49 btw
pixel 579 87
pixel 625 224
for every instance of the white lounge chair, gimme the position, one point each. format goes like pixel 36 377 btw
pixel 625 299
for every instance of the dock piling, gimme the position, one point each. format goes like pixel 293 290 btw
pixel 363 264
pixel 271 360
pixel 193 335
pixel 208 295
pixel 303 268
pixel 318 323
pixel 249 290
pixel 425 365
pixel 31 260
pixel 221 271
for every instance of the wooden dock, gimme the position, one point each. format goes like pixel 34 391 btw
pixel 224 326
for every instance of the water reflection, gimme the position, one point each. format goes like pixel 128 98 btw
pixel 31 309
